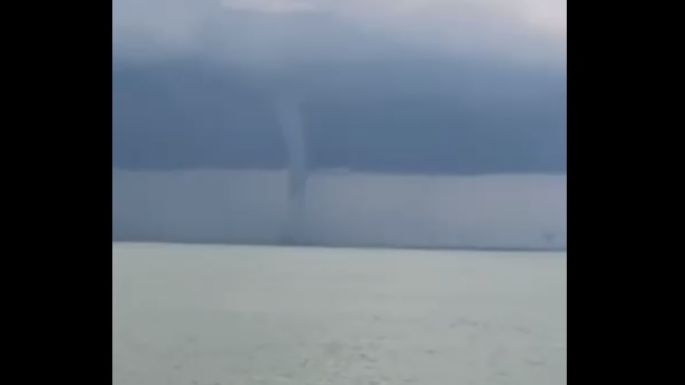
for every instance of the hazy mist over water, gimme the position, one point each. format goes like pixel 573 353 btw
pixel 343 209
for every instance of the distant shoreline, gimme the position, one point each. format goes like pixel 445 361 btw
pixel 343 171
pixel 360 246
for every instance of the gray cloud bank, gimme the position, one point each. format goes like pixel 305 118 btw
pixel 400 86
pixel 280 33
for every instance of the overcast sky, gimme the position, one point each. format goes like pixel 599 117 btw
pixel 446 86
pixel 529 31
pixel 449 87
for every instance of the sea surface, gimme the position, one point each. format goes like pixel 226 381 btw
pixel 234 315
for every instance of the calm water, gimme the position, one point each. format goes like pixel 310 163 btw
pixel 232 315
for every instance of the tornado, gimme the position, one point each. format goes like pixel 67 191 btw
pixel 289 113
